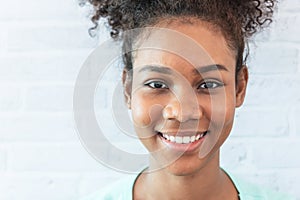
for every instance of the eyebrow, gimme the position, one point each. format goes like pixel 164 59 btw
pixel 208 68
pixel 198 70
pixel 154 68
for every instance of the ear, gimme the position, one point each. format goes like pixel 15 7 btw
pixel 127 87
pixel 241 85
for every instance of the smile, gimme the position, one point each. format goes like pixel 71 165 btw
pixel 183 139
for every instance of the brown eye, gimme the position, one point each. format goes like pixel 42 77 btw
pixel 156 85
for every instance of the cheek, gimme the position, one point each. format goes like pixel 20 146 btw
pixel 145 111
pixel 140 113
pixel 229 106
pixel 220 113
pixel 220 110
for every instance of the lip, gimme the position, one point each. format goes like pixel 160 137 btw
pixel 182 148
pixel 182 132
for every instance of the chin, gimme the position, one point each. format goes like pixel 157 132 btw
pixel 185 166
pixel 190 165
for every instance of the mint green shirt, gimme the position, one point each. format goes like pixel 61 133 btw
pixel 122 190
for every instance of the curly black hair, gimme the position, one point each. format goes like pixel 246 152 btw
pixel 238 20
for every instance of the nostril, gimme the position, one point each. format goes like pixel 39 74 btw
pixel 182 111
pixel 169 112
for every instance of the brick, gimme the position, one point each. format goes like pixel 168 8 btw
pixel 119 158
pixel 3 40
pixel 11 98
pixel 284 181
pixel 261 123
pixel 37 128
pixel 274 59
pixel 295 120
pixel 233 154
pixel 288 181
pixel 108 88
pixel 3 158
pixel 48 38
pixel 60 67
pixel 114 130
pixel 280 153
pixel 31 10
pixel 275 180
pixel 274 90
pixel 38 186
pixel 280 180
pixel 263 36
pixel 56 98
pixel 265 179
pixel 289 5
pixel 286 28
pixel 94 182
pixel 48 158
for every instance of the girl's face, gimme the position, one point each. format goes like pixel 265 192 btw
pixel 184 107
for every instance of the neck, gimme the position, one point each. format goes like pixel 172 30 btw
pixel 201 184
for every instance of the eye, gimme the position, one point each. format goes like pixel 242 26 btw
pixel 210 85
pixel 156 85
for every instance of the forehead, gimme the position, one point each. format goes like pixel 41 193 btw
pixel 180 43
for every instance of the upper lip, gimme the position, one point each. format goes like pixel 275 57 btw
pixel 181 132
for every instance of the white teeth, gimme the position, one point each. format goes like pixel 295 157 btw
pixel 166 136
pixel 178 139
pixel 186 139
pixel 183 140
pixel 172 138
pixel 193 138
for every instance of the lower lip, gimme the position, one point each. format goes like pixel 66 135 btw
pixel 190 147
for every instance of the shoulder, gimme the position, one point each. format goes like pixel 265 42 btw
pixel 250 191
pixel 119 190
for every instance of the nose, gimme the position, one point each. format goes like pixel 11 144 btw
pixel 182 109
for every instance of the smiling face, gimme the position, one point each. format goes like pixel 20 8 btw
pixel 183 101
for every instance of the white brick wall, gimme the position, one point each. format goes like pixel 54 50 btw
pixel 42 47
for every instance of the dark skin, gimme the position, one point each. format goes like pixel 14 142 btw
pixel 191 176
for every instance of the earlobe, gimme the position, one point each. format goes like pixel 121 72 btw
pixel 241 85
pixel 127 85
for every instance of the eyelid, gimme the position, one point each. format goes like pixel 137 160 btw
pixel 147 83
pixel 205 81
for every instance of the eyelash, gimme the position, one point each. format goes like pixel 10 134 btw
pixel 203 85
pixel 156 82
pixel 215 83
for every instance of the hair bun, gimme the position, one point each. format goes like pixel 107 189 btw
pixel 252 15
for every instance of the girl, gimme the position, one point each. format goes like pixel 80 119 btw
pixel 183 96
